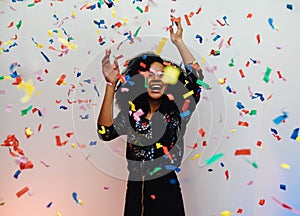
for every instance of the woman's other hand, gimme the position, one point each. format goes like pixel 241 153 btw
pixel 176 37
pixel 109 70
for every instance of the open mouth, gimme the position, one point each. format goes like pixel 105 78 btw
pixel 156 87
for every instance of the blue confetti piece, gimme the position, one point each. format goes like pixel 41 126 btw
pixel 216 37
pixel 74 195
pixel 270 21
pixel 78 74
pixel 289 6
pixel 282 186
pixel 239 105
pixel 45 57
pixel 97 91
pixel 228 89
pixel 184 114
pixel 199 38
pixel 49 205
pixel 173 181
pixel 274 131
pixel 258 95
pixel 279 119
pixel 63 107
pixel 295 134
pixel 16 175
pixel 92 143
pixel 86 116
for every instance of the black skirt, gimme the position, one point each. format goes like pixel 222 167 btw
pixel 157 197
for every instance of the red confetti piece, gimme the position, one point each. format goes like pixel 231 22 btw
pixel 247 63
pixel 239 211
pixel 262 202
pixel 187 20
pixel 201 132
pixel 258 38
pixel 259 143
pixel 199 10
pixel 22 192
pixel 10 24
pixel 58 141
pixel 226 174
pixel 243 152
pixel 242 123
pixel 249 15
pixel 241 73
pixel 69 134
pixel 204 143
pixel 61 79
pixel 153 196
pixel 229 41
pixel 221 24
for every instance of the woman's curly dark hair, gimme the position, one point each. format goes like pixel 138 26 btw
pixel 134 85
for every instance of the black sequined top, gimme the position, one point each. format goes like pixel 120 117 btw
pixel 155 147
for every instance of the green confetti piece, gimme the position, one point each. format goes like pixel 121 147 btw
pixel 214 158
pixel 253 112
pixel 101 2
pixel 267 74
pixel 137 31
pixel 156 169
pixel 231 64
pixel 2 77
pixel 254 164
pixel 200 82
pixel 30 5
pixel 139 9
pixel 19 24
pixel 25 111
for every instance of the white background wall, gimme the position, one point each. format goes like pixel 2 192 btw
pixel 97 172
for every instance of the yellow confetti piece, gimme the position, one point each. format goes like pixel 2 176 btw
pixel 226 213
pixel 38 92
pixel 132 106
pixel 39 45
pixel 7 77
pixel 222 81
pixel 298 138
pixel 113 13
pixel 158 145
pixel 74 146
pixel 102 131
pixel 67 43
pixel 80 202
pixel 8 42
pixel 50 33
pixel 59 214
pixel 29 89
pixel 203 60
pixel 161 45
pixel 98 32
pixel 28 132
pixel 196 156
pixel 285 166
pixel 188 94
pixel 73 13
pixel 233 130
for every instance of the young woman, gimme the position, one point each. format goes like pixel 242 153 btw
pixel 156 99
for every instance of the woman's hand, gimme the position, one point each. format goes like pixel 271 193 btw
pixel 176 37
pixel 110 71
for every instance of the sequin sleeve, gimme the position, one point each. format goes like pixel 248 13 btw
pixel 113 131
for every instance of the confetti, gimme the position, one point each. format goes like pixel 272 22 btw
pixel 280 118
pixel 295 133
pixel 243 123
pixel 289 6
pixel 22 192
pixel 202 132
pixel 226 213
pixel 258 38
pixel 214 158
pixel 285 166
pixel 262 202
pixel 242 152
pixel 296 211
pixel 17 173
pixel 199 37
pixel 161 45
pixel 267 74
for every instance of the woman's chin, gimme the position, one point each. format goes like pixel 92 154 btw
pixel 155 94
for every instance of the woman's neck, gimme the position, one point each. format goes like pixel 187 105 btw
pixel 154 106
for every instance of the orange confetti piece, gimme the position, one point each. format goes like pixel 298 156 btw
pixel 187 20
pixel 247 63
pixel 22 192
pixel 10 24
pixel 166 151
pixel 199 10
pixel 61 79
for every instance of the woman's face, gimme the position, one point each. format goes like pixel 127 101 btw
pixel 156 87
